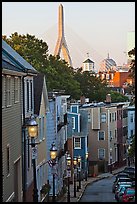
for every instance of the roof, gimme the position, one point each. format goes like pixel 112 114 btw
pixel 16 59
pixel 38 87
pixel 88 61
pixel 9 66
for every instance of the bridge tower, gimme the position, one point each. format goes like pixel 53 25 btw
pixel 61 41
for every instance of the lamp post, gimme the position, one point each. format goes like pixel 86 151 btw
pixel 75 171
pixel 68 175
pixel 111 160
pixel 79 160
pixel 53 155
pixel 33 133
pixel 129 147
pixel 86 166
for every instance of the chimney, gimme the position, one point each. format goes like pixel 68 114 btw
pixel 108 98
pixel 82 100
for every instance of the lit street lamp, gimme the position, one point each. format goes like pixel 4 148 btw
pixel 68 175
pixel 33 133
pixel 53 155
pixel 111 160
pixel 86 166
pixel 129 147
pixel 75 173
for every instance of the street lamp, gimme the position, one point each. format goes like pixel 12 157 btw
pixel 86 166
pixel 33 133
pixel 79 160
pixel 68 175
pixel 75 171
pixel 53 155
pixel 129 147
pixel 111 160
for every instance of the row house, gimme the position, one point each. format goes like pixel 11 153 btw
pixel 107 123
pixel 78 134
pixel 57 133
pixel 131 123
pixel 17 104
pixel 41 108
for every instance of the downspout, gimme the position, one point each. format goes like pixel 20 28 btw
pixel 24 143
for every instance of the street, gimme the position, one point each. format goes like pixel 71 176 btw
pixel 99 191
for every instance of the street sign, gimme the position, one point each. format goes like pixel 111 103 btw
pixel 34 153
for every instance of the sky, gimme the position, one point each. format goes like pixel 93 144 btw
pixel 96 28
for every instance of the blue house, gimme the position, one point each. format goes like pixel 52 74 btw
pixel 57 133
pixel 78 132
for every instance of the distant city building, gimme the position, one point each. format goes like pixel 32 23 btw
pixel 88 65
pixel 108 64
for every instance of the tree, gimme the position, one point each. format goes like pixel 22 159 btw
pixel 92 87
pixel 117 97
pixel 58 74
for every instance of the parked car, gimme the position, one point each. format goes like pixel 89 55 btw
pixel 119 180
pixel 128 195
pixel 130 171
pixel 120 191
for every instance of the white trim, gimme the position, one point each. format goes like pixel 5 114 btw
pixel 78 123
pixel 73 123
pixel 75 142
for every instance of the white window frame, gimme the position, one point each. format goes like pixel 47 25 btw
pixel 73 123
pixel 103 117
pixel 99 134
pixel 101 149
pixel 76 147
pixel 16 89
pixel 3 91
pixel 8 91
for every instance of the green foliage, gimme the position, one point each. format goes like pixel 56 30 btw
pixel 59 75
pixel 92 87
pixel 117 97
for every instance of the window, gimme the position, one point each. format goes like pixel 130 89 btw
pixel 101 135
pixel 103 117
pixel 110 117
pixel 3 91
pixel 73 122
pixel 131 118
pixel 8 160
pixel 27 96
pixel 131 133
pixel 115 133
pixel 31 99
pixel 113 116
pixel 8 91
pixel 110 135
pixel 16 89
pixel 101 153
pixel 77 142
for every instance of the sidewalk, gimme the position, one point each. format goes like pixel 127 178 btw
pixel 84 184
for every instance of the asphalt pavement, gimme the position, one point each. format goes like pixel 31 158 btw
pixel 84 183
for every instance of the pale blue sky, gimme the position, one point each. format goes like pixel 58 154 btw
pixel 94 27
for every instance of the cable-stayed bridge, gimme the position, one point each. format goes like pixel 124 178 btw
pixel 78 47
